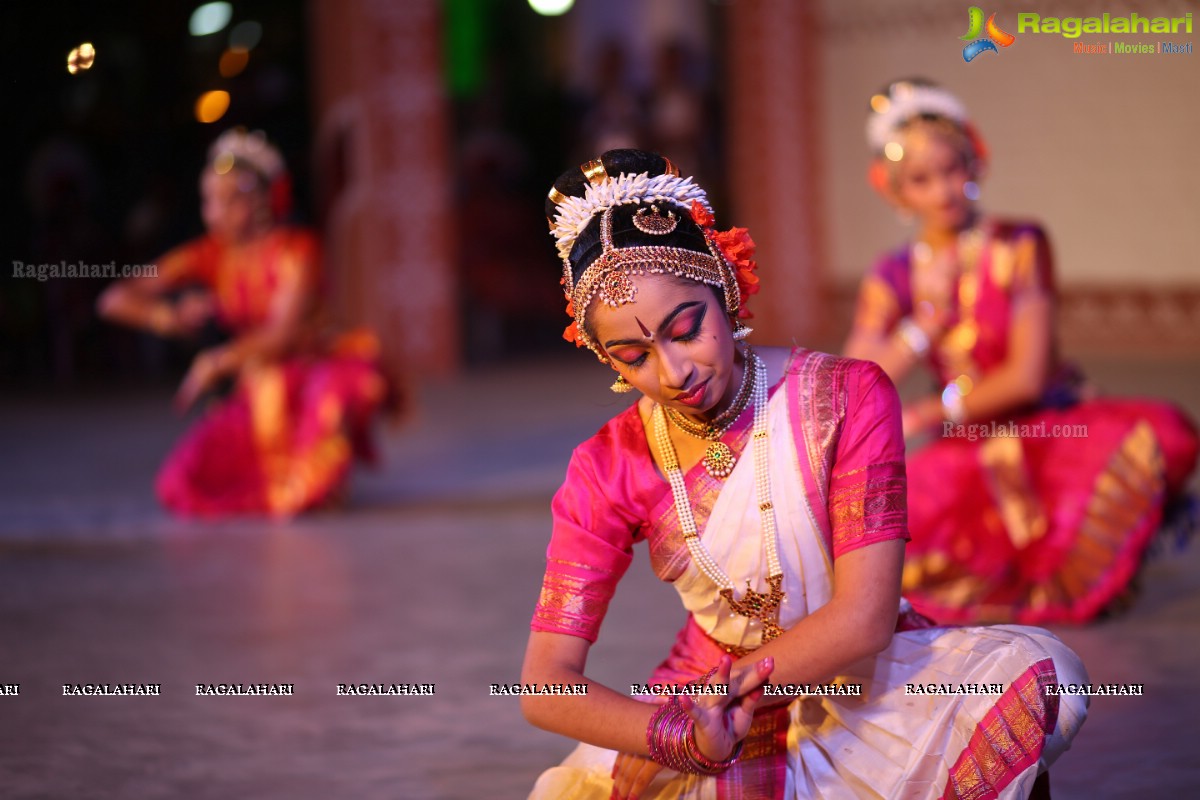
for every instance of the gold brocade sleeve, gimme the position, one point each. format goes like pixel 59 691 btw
pixel 591 545
pixel 574 599
pixel 868 505
pixel 868 485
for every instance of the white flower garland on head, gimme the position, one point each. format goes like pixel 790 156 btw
pixel 251 148
pixel 574 213
pixel 905 101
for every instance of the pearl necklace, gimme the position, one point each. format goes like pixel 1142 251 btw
pixel 754 605
pixel 719 460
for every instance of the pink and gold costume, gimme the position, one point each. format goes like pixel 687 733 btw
pixel 284 441
pixel 837 484
pixel 1048 521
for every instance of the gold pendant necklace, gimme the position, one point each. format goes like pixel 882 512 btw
pixel 719 459
pixel 761 606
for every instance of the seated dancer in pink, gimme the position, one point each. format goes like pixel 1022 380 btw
pixel 1035 501
pixel 302 400
pixel 769 487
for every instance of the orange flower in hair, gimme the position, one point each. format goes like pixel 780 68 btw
pixel 702 216
pixel 738 249
pixel 571 332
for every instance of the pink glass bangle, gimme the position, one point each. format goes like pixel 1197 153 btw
pixel 671 738
pixel 705 765
pixel 666 736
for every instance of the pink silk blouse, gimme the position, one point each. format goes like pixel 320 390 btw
pixel 845 415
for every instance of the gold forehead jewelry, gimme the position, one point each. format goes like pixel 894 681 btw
pixel 610 277
pixel 650 220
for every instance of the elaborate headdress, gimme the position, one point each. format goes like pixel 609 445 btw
pixel 238 148
pixel 664 202
pixel 901 103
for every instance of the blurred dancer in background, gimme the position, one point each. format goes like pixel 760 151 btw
pixel 301 401
pixel 1036 500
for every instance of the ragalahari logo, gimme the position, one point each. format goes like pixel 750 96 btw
pixel 994 37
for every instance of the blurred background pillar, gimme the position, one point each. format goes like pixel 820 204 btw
pixel 772 100
pixel 384 179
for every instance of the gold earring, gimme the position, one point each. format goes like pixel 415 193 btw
pixel 740 331
pixel 621 386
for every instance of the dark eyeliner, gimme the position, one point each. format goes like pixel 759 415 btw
pixel 695 330
pixel 637 362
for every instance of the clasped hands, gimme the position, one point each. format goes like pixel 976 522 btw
pixel 721 722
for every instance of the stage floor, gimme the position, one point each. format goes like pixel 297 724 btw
pixel 427 576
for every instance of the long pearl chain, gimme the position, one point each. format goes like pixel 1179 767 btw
pixel 756 605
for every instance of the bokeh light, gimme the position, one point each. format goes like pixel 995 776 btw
pixel 211 106
pixel 209 18
pixel 551 8
pixel 223 162
pixel 951 394
pixel 233 61
pixel 894 151
pixel 245 35
pixel 880 103
pixel 81 58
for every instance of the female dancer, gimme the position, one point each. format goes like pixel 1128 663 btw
pixel 770 487
pixel 1037 502
pixel 301 406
